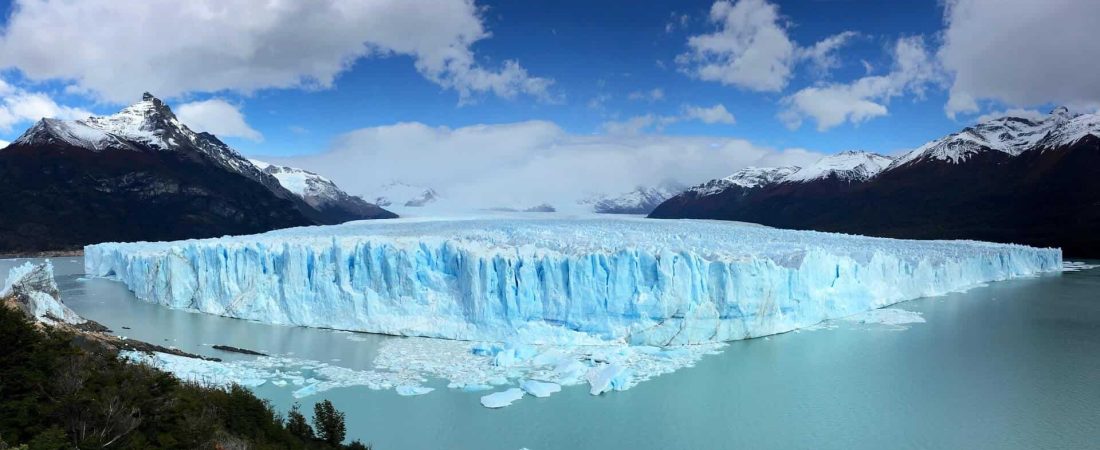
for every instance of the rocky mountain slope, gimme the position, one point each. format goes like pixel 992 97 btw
pixel 139 174
pixel 1011 179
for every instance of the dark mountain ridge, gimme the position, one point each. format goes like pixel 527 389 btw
pixel 136 175
pixel 1007 180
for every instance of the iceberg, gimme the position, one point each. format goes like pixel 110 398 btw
pixel 539 388
pixel 563 280
pixel 502 398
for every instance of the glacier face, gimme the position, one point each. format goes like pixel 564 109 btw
pixel 554 280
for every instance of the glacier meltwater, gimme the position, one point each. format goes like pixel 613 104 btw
pixel 554 280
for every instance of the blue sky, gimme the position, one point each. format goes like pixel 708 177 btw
pixel 301 80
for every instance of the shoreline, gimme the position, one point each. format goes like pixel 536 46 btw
pixel 43 254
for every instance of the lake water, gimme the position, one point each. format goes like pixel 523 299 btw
pixel 1013 365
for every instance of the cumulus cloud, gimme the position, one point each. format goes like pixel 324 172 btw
pixel 4 143
pixel 115 49
pixel 1021 52
pixel 863 99
pixel 652 122
pixel 219 117
pixel 527 163
pixel 750 49
pixel 20 106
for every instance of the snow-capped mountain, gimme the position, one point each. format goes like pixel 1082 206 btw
pixel 846 166
pixel 1008 135
pixel 749 177
pixel 1009 179
pixel 148 124
pixel 641 200
pixel 322 194
pixel 139 174
pixel 400 194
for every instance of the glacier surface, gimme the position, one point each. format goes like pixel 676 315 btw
pixel 554 280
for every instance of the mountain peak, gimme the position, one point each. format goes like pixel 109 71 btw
pixel 1060 111
pixel 850 165
pixel 147 97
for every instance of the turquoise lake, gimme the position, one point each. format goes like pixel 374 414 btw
pixel 1011 365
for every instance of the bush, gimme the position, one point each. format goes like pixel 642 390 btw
pixel 55 395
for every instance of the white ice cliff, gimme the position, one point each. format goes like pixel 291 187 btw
pixel 564 280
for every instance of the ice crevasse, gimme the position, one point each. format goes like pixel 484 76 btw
pixel 554 280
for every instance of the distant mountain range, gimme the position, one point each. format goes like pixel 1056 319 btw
pixel 1011 179
pixel 141 174
pixel 641 200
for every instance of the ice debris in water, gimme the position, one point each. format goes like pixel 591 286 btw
pixel 1077 266
pixel 539 388
pixel 560 280
pixel 407 391
pixel 887 316
pixel 502 398
pixel 403 364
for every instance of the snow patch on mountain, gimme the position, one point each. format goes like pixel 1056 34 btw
pixel 749 177
pixel 845 166
pixel 1009 135
pixel 146 125
pixel 301 182
pixel 641 200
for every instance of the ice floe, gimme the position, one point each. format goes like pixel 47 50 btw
pixel 502 398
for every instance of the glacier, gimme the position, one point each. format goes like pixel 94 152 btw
pixel 551 279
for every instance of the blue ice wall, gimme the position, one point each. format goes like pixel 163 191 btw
pixel 554 280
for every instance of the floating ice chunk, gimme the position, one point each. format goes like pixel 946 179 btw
pixel 406 391
pixel 539 388
pixel 512 354
pixel 502 398
pixel 306 391
pixel 887 316
pixel 1076 266
pixel 570 371
pixel 608 377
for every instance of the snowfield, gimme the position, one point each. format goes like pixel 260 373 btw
pixel 555 280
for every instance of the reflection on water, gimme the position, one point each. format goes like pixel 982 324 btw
pixel 1012 365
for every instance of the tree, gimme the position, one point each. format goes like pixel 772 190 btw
pixel 357 445
pixel 329 423
pixel 296 424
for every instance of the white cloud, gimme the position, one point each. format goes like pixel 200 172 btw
pixel 822 55
pixel 656 123
pixel 19 106
pixel 1030 114
pixel 750 50
pixel 219 117
pixel 1021 53
pixel 118 49
pixel 652 95
pixel 4 143
pixel 712 115
pixel 527 163
pixel 833 104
